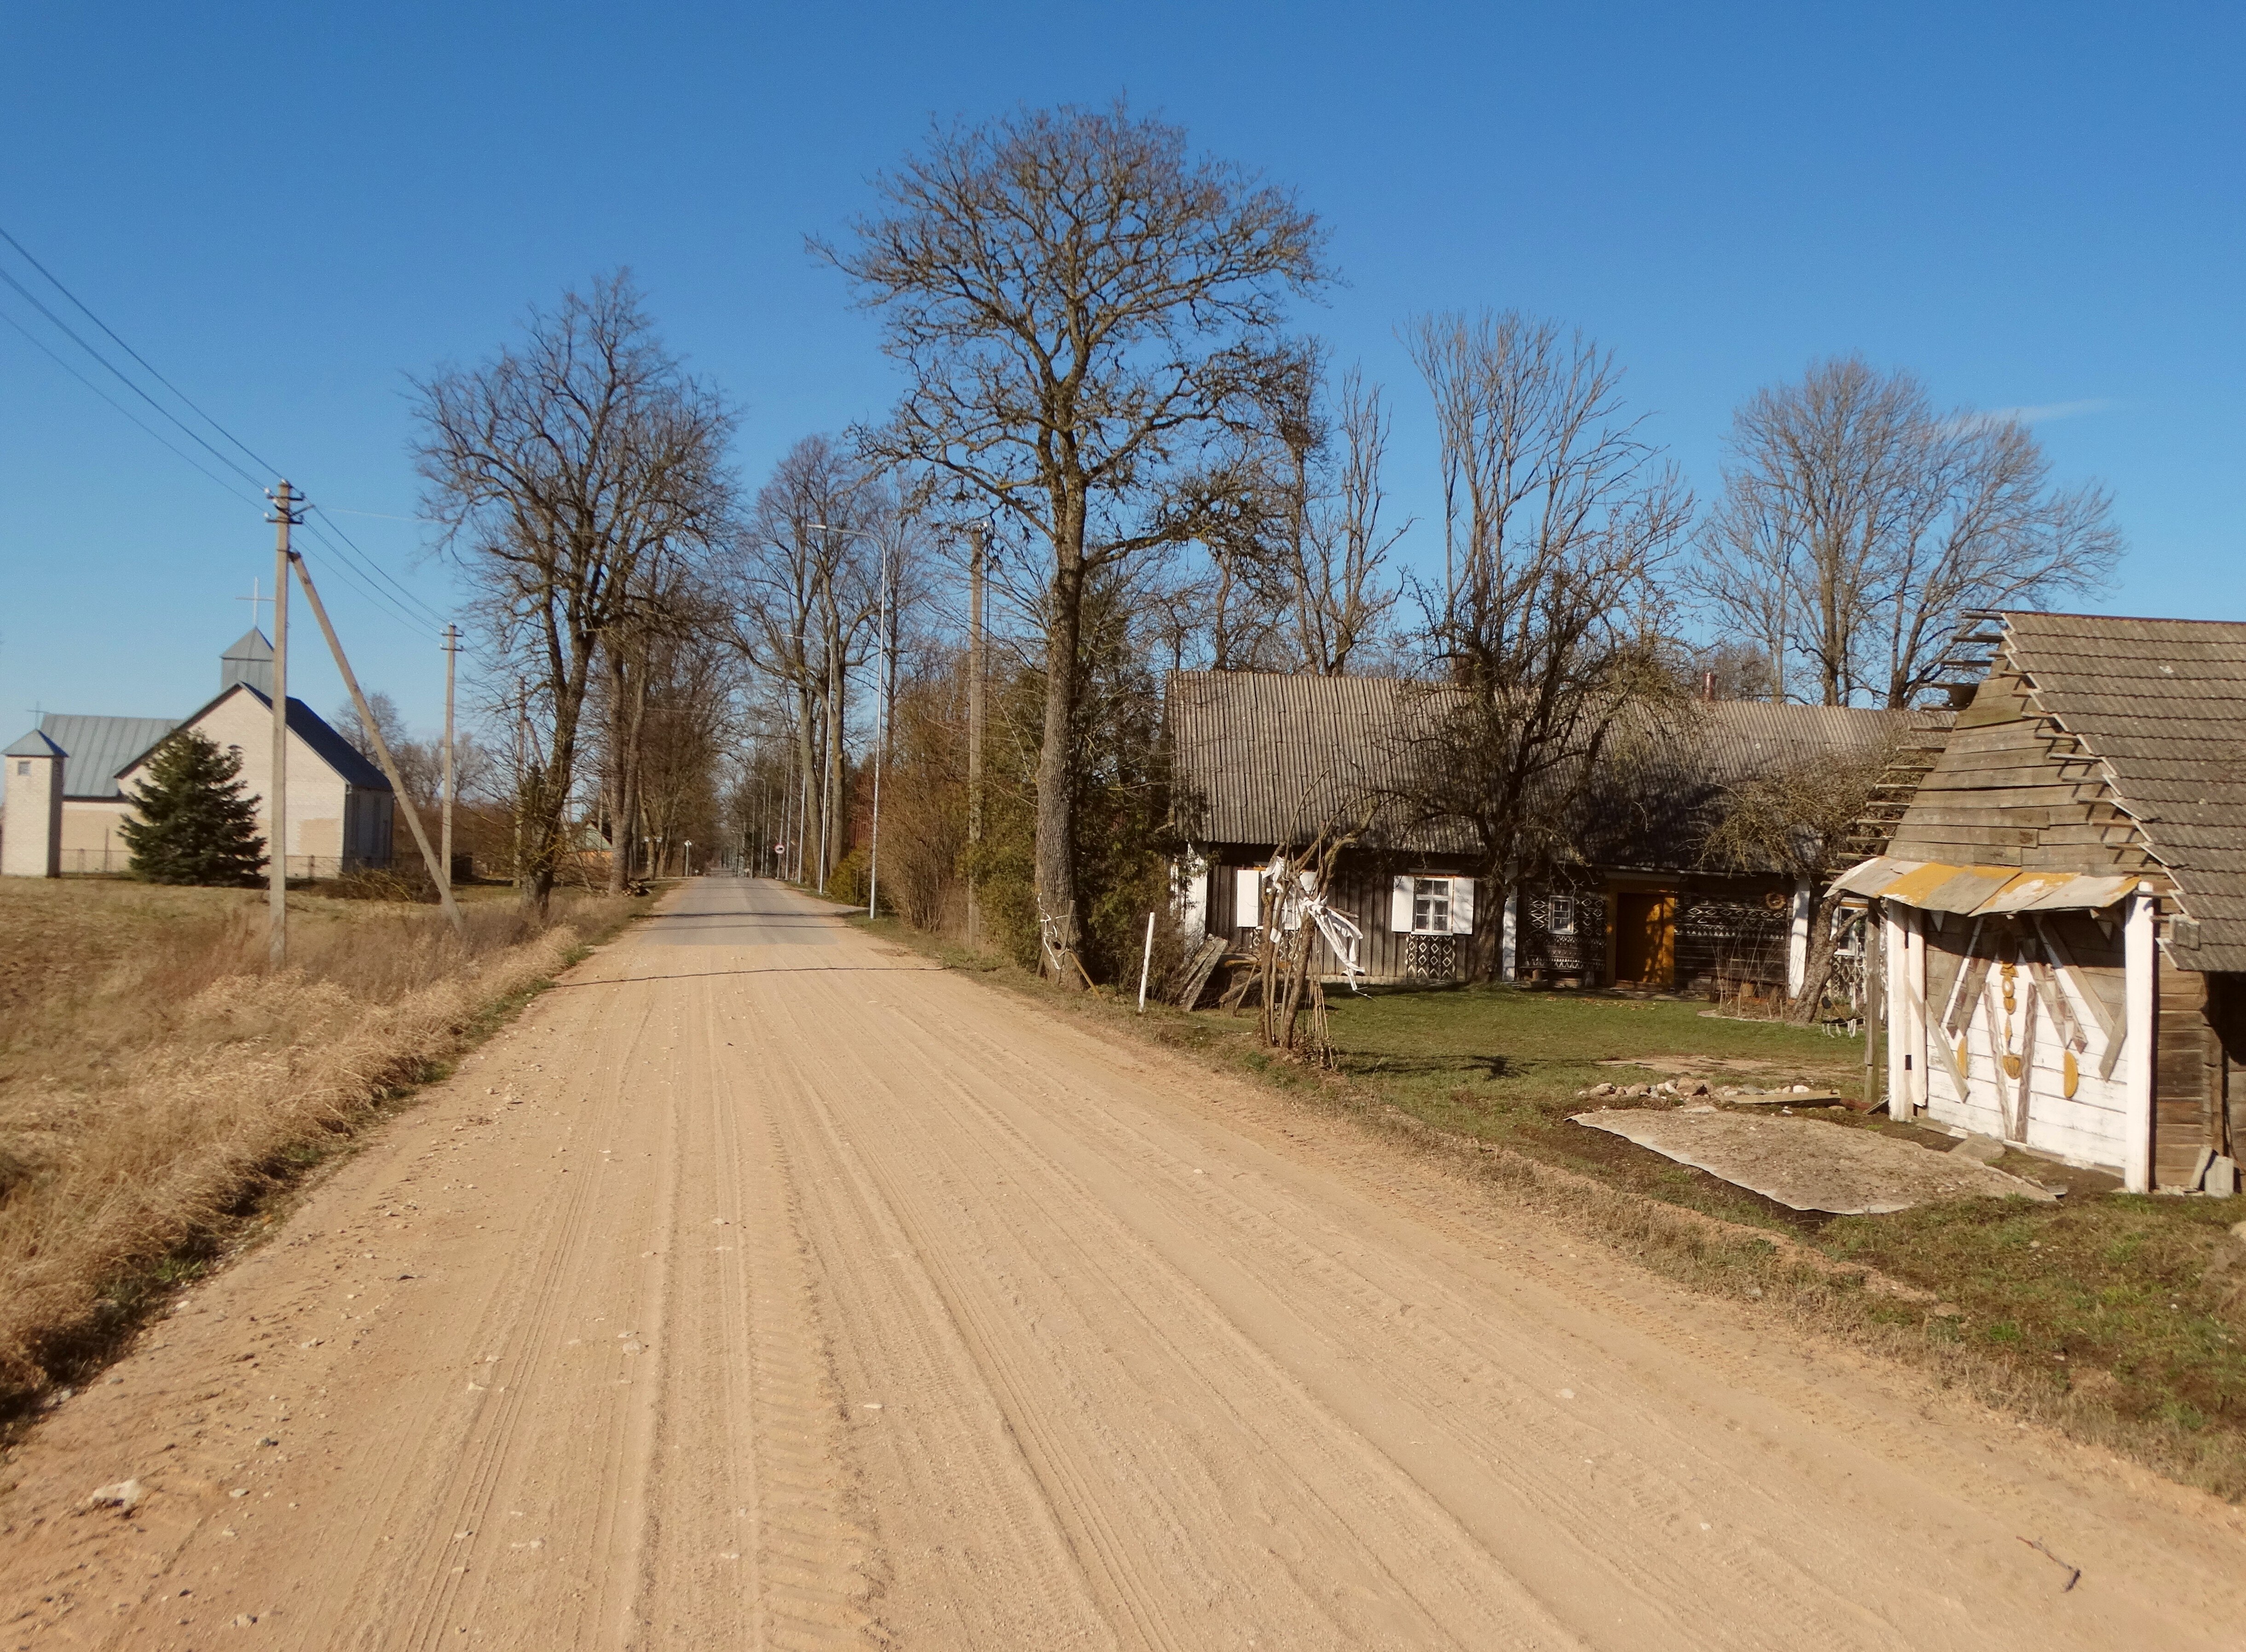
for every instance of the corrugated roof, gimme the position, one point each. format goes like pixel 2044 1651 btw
pixel 1262 758
pixel 100 747
pixel 1977 891
pixel 2162 704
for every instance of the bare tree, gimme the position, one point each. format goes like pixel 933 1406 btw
pixel 1338 596
pixel 1076 302
pixel 1803 821
pixel 558 469
pixel 1859 527
pixel 1559 523
pixel 804 590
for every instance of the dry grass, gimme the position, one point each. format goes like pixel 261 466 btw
pixel 156 1082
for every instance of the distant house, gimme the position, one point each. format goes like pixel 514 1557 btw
pixel 70 781
pixel 2063 902
pixel 1261 761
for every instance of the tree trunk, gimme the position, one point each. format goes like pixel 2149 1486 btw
pixel 619 799
pixel 1817 970
pixel 807 796
pixel 1055 847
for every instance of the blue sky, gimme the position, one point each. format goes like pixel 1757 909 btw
pixel 288 209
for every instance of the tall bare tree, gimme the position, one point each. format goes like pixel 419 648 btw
pixel 560 469
pixel 1859 525
pixel 1337 596
pixel 804 591
pixel 1077 302
pixel 1560 521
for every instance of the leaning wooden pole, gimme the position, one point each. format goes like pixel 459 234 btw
pixel 381 746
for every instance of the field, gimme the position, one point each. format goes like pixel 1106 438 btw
pixel 2121 1319
pixel 157 1085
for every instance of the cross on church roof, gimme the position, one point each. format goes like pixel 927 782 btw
pixel 254 599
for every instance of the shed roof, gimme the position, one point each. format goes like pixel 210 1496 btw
pixel 100 747
pixel 2161 704
pixel 1265 759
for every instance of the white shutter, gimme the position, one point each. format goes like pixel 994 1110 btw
pixel 1247 897
pixel 1462 906
pixel 1399 905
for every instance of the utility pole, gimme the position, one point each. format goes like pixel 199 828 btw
pixel 381 746
pixel 452 652
pixel 285 516
pixel 974 729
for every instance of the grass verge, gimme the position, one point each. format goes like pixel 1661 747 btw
pixel 2120 1321
pixel 160 1088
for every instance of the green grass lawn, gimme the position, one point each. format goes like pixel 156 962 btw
pixel 2121 1318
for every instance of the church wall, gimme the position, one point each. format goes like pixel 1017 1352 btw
pixel 92 841
pixel 33 820
pixel 322 810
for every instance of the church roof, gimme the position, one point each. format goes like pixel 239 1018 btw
pixel 97 747
pixel 34 744
pixel 250 645
pixel 313 730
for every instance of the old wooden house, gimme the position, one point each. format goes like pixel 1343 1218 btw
pixel 1261 762
pixel 2064 902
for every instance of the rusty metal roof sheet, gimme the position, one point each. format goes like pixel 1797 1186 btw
pixel 1933 885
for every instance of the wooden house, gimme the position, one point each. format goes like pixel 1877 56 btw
pixel 1262 761
pixel 2064 902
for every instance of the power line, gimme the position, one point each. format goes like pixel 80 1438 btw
pixel 331 525
pixel 184 456
pixel 270 469
pixel 367 572
pixel 126 379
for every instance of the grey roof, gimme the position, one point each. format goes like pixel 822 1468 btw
pixel 99 748
pixel 2162 704
pixel 34 744
pixel 1264 758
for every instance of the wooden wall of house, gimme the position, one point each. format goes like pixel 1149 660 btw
pixel 2187 1078
pixel 2010 790
pixel 1361 890
pixel 2088 1127
pixel 1730 931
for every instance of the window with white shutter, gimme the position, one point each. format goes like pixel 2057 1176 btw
pixel 1462 906
pixel 1399 905
pixel 1248 897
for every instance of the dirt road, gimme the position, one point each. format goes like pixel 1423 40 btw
pixel 765 1287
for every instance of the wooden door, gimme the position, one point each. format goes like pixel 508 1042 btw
pixel 1645 937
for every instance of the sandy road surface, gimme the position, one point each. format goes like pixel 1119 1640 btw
pixel 765 1287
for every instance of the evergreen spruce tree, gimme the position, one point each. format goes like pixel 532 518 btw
pixel 195 826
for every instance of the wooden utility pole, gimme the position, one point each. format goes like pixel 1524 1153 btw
pixel 381 746
pixel 452 652
pixel 285 516
pixel 974 729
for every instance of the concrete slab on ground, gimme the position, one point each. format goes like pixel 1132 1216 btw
pixel 1805 1164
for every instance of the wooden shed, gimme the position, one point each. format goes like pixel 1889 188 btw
pixel 2064 902
pixel 1262 761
